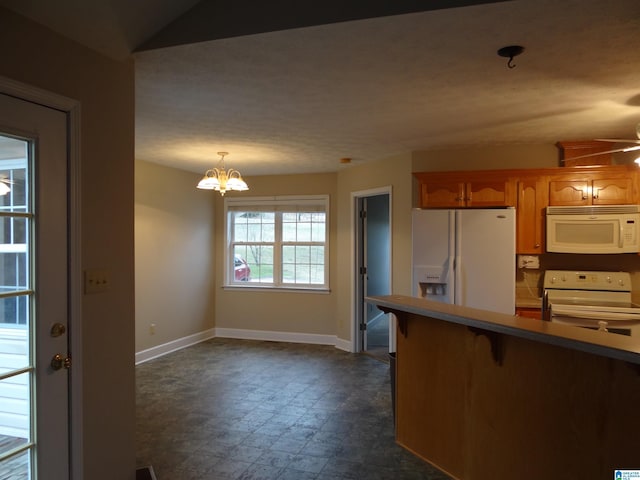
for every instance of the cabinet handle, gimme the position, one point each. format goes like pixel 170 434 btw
pixel 597 193
pixel 537 245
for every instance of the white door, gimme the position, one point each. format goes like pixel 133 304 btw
pixel 486 259
pixel 34 304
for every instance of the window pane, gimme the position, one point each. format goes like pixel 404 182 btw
pixel 303 264
pixel 17 467
pixel 259 259
pixel 240 232
pixel 288 232
pixel 254 233
pixel 289 254
pixel 13 274
pixel 317 232
pixel 13 311
pixel 316 274
pixel 302 254
pixel 16 412
pixel 316 255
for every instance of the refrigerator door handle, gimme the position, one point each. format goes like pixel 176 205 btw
pixel 456 242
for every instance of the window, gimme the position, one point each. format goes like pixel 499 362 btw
pixel 277 242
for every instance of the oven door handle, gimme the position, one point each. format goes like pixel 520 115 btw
pixel 593 314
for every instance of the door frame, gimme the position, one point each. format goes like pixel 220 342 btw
pixel 71 108
pixel 355 277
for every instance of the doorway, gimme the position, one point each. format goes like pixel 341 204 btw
pixel 373 270
pixel 37 307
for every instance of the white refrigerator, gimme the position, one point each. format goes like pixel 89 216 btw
pixel 466 257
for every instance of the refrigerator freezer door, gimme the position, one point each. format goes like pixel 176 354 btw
pixel 485 259
pixel 433 244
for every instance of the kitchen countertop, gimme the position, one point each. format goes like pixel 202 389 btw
pixel 605 344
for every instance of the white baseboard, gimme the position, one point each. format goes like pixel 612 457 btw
pixel 180 343
pixel 242 334
pixel 345 345
pixel 270 336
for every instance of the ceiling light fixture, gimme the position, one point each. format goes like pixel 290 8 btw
pixel 510 52
pixel 222 180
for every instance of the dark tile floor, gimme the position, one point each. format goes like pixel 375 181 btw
pixel 236 409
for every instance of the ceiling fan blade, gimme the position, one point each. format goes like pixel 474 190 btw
pixel 617 140
pixel 628 149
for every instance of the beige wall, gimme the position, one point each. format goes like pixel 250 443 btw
pixel 396 173
pixel 293 312
pixel 174 255
pixel 105 88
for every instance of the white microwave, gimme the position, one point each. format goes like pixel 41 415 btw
pixel 594 229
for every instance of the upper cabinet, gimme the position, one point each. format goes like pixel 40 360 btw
pixel 465 189
pixel 530 214
pixel 596 188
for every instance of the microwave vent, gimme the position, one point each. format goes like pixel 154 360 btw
pixel 594 210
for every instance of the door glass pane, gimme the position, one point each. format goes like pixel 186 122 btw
pixel 16 359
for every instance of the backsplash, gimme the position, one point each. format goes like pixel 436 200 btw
pixel 529 281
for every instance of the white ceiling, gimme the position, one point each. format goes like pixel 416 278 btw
pixel 296 101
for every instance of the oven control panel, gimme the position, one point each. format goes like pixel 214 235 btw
pixel 583 280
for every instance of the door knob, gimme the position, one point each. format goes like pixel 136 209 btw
pixel 58 361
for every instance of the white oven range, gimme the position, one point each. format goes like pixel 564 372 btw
pixel 596 300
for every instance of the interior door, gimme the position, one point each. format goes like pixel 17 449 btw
pixel 374 254
pixel 34 360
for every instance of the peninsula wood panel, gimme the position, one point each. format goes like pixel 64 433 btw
pixel 427 420
pixel 546 412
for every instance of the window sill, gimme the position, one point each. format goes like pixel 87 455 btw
pixel 269 289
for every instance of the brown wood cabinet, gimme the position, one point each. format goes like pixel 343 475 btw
pixel 530 214
pixel 465 189
pixel 615 185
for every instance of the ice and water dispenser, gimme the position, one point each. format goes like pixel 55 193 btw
pixel 431 283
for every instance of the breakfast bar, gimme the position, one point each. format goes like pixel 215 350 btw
pixel 484 395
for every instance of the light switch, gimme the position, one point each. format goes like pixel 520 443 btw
pixel 97 280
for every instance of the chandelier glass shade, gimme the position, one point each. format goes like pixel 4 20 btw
pixel 222 180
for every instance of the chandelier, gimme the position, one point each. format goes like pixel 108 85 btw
pixel 222 180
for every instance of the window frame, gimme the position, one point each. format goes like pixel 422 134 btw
pixel 277 205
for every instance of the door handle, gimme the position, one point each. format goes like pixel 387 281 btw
pixel 58 362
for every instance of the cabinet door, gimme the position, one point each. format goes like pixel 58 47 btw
pixel 442 194
pixel 489 193
pixel 616 191
pixel 530 216
pixel 569 192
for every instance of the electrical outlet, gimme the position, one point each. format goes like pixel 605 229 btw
pixel 97 280
pixel 528 261
pixel 152 329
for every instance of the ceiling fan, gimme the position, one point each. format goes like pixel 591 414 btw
pixel 633 145
pixel 5 185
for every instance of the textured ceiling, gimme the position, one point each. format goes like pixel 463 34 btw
pixel 298 100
